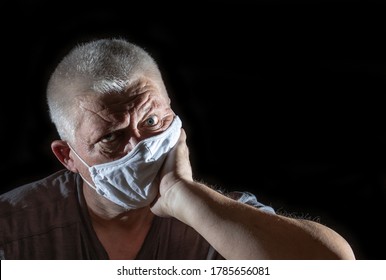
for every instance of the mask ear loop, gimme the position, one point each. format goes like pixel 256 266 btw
pixel 84 179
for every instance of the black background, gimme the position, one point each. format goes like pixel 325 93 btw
pixel 284 99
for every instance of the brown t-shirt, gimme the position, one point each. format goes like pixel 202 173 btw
pixel 48 219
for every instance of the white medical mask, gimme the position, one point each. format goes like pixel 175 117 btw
pixel 129 181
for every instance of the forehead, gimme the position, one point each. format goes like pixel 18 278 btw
pixel 97 102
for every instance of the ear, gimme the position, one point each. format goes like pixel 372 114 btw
pixel 62 151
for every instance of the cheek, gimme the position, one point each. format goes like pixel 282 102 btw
pixel 83 171
pixel 79 165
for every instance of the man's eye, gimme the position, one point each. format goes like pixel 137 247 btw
pixel 151 121
pixel 109 138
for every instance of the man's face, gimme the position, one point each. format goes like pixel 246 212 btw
pixel 110 125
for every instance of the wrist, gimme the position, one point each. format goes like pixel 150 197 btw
pixel 187 201
pixel 174 198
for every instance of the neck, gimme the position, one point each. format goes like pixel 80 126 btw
pixel 120 231
pixel 104 211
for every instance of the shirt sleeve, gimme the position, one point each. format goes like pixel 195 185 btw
pixel 250 199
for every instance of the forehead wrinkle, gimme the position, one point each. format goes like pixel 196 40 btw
pixel 90 135
pixel 93 133
pixel 101 110
pixel 98 113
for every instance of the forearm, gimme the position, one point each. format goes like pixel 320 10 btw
pixel 239 231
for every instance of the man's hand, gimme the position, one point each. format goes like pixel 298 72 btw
pixel 175 173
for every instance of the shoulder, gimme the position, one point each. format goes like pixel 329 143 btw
pixel 30 208
pixel 52 187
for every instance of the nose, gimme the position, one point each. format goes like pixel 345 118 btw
pixel 135 136
pixel 133 139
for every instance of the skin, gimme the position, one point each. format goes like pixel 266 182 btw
pixel 111 125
